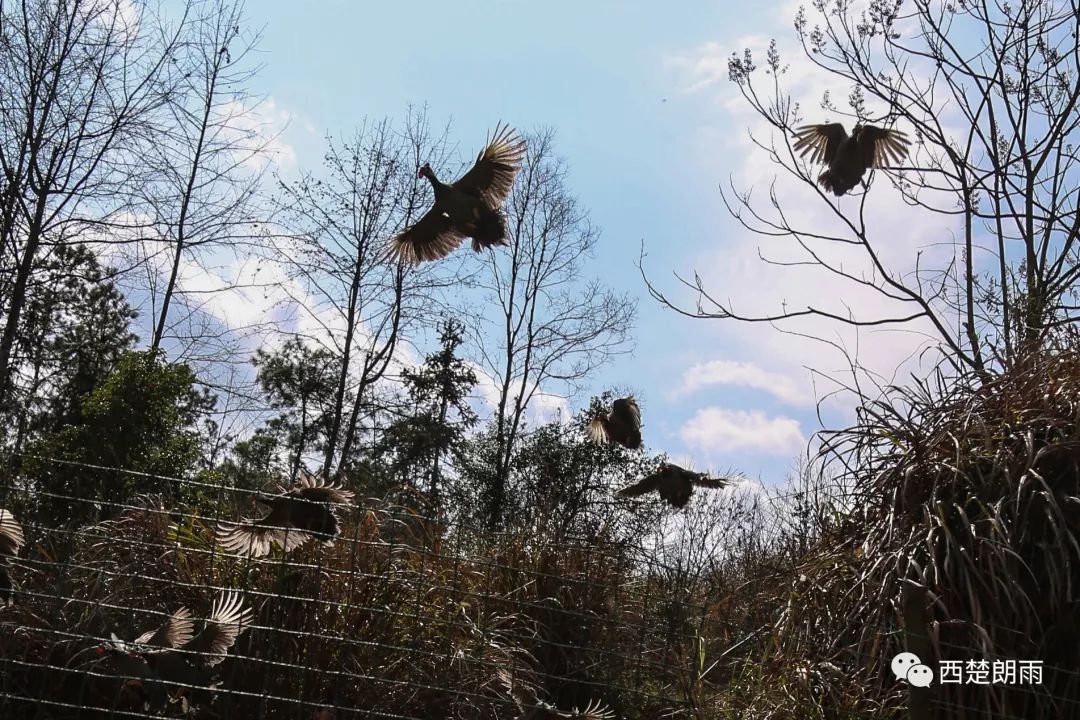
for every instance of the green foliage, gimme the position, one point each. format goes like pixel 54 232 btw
pixel 558 478
pixel 75 327
pixel 141 418
pixel 300 380
pixel 413 449
pixel 255 462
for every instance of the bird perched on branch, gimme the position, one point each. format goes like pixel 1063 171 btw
pixel 674 484
pixel 532 708
pixel 296 515
pixel 11 541
pixel 622 425
pixel 849 156
pixel 471 206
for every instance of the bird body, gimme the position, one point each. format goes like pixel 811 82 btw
pixel 622 425
pixel 470 207
pixel 674 484
pixel 11 541
pixel 296 516
pixel 174 654
pixel 848 157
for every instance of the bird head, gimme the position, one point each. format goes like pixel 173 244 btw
pixel 424 171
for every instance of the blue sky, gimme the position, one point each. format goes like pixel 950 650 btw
pixel 644 116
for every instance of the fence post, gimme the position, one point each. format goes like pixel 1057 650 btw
pixel 917 641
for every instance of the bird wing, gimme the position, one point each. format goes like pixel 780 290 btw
pixel 598 431
pixel 881 146
pixel 522 695
pixel 492 175
pixel 228 619
pixel 177 630
pixel 627 410
pixel 431 237
pixel 820 141
pixel 253 538
pixel 703 480
pixel 593 711
pixel 11 534
pixel 645 485
pixel 315 489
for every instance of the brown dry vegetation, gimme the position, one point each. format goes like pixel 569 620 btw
pixel 966 492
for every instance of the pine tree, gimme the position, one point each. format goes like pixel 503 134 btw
pixel 76 326
pixel 419 444
pixel 298 379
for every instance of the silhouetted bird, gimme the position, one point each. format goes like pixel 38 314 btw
pixel 297 515
pixel 11 541
pixel 468 207
pixel 172 654
pixel 532 708
pixel 674 484
pixel 849 156
pixel 176 654
pixel 622 425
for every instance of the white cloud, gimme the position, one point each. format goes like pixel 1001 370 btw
pixel 548 407
pixel 121 17
pixel 705 65
pixel 715 430
pixel 734 272
pixel 241 294
pixel 486 390
pixel 744 374
pixel 261 126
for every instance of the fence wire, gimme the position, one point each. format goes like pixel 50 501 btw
pixel 399 616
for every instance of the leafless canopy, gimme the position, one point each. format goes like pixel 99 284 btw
pixel 552 325
pixel 990 92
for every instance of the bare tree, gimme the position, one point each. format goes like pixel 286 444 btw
pixel 550 327
pixel 991 92
pixel 360 301
pixel 203 169
pixel 79 82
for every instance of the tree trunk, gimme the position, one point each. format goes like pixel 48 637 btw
pixel 18 298
pixel 343 375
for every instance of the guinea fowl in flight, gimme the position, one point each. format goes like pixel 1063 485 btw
pixel 849 156
pixel 622 425
pixel 295 516
pixel 532 708
pixel 674 484
pixel 11 540
pixel 469 207
pixel 173 654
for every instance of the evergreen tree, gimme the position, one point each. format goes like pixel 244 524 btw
pixel 416 447
pixel 76 326
pixel 141 419
pixel 255 463
pixel 299 380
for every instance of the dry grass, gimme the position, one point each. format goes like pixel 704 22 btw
pixel 966 492
pixel 789 609
pixel 396 619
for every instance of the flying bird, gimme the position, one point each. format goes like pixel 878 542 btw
pixel 530 707
pixel 849 156
pixel 173 654
pixel 622 425
pixel 11 541
pixel 296 516
pixel 471 206
pixel 674 484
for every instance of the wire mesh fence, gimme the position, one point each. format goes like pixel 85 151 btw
pixel 128 604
